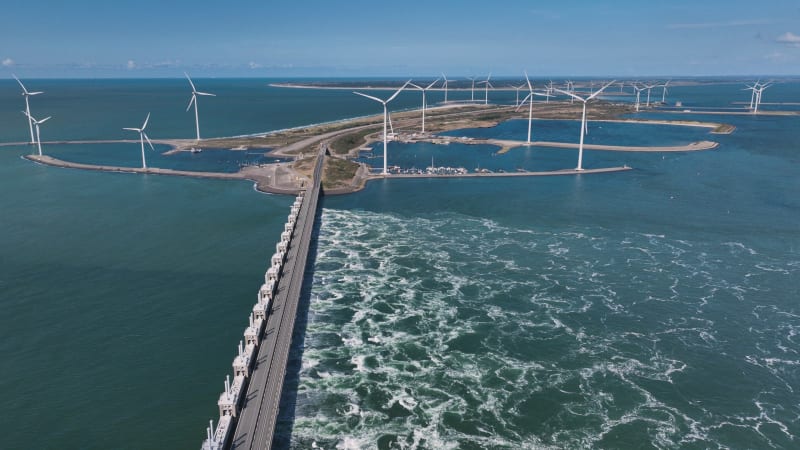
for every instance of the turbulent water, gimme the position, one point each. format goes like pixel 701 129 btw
pixel 457 332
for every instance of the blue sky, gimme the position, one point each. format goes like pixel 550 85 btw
pixel 148 38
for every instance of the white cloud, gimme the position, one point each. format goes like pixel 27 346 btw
pixel 789 39
pixel 254 65
pixel 131 64
pixel 8 62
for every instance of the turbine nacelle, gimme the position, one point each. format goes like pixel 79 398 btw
pixel 36 122
pixel 141 132
pixel 25 92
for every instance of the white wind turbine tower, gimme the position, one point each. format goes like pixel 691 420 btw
pixel 445 87
pixel 37 123
pixel 486 91
pixel 529 99
pixel 752 88
pixel 571 88
pixel 752 94
pixel 142 137
pixel 472 91
pixel 664 91
pixel 583 118
pixel 424 103
pixel 27 94
pixel 638 93
pixel 517 88
pixel 549 91
pixel 385 118
pixel 195 93
pixel 758 92
pixel 648 87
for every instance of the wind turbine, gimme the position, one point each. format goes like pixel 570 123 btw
pixel 472 98
pixel 424 104
pixel 583 118
pixel 548 91
pixel 445 87
pixel 27 94
pixel 752 94
pixel 37 123
pixel 385 118
pixel 195 93
pixel 486 91
pixel 530 108
pixel 529 99
pixel 638 92
pixel 664 91
pixel 142 137
pixel 648 87
pixel 758 92
pixel 517 88
pixel 571 88
pixel 753 88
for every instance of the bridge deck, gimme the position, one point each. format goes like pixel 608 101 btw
pixel 256 422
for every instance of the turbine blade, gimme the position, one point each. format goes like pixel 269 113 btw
pixel 600 90
pixel 30 117
pixel 146 119
pixel 368 96
pixel 148 141
pixel 191 100
pixel 577 97
pixel 190 81
pixel 25 91
pixel 418 87
pixel 206 93
pixel 431 85
pixel 527 97
pixel 133 129
pixel 528 80
pixel 44 120
pixel 398 91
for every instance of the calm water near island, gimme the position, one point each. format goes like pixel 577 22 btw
pixel 651 308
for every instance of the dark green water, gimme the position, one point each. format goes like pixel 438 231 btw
pixel 123 300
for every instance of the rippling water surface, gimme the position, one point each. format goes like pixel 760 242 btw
pixel 456 332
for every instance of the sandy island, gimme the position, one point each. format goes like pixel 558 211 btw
pixel 344 139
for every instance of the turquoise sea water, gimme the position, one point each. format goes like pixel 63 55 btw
pixel 651 308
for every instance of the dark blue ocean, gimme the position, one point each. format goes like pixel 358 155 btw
pixel 653 308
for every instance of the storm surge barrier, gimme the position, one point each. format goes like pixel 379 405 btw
pixel 248 406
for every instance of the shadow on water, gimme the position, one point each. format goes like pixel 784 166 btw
pixel 286 410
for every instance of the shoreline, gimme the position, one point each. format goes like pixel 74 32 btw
pixel 289 176
pixel 259 179
pixel 358 184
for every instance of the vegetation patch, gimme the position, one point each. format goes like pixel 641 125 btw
pixel 338 172
pixel 345 143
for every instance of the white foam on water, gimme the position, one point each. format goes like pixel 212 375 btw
pixel 460 325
